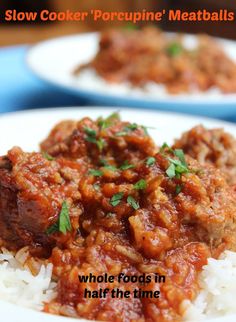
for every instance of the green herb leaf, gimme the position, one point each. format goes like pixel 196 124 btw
pixel 145 130
pixel 150 161
pixel 90 132
pixel 116 199
pixel 132 126
pixel 48 156
pixel 64 219
pixel 178 189
pixel 106 165
pixel 91 137
pixel 52 229
pixel 63 223
pixel 95 172
pixel 105 123
pixel 180 154
pixel 126 166
pixel 171 171
pixel 177 166
pixel 174 49
pixel 132 202
pixel 100 144
pixel 140 185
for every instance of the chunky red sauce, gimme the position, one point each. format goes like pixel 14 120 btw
pixel 103 199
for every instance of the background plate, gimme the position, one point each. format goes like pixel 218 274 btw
pixel 54 61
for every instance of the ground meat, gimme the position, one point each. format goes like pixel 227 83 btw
pixel 59 133
pixel 32 190
pixel 148 55
pixel 168 216
pixel 214 147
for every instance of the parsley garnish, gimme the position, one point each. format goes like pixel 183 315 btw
pixel 174 49
pixel 171 171
pixel 95 172
pixel 116 199
pixel 63 223
pixel 64 219
pixel 150 161
pixel 106 165
pixel 128 128
pixel 177 166
pixel 105 123
pixel 132 126
pixel 91 137
pixel 132 202
pixel 178 188
pixel 140 185
pixel 164 147
pixel 48 156
pixel 126 166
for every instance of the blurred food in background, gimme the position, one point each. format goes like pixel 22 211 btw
pixel 150 55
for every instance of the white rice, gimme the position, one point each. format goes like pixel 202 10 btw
pixel 18 285
pixel 218 283
pixel 88 79
pixel 216 298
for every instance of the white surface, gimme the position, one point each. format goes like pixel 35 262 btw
pixel 28 128
pixel 54 61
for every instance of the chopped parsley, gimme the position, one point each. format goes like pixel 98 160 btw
pixel 106 165
pixel 63 223
pixel 126 166
pixel 164 147
pixel 132 202
pixel 145 130
pixel 177 166
pixel 178 188
pixel 140 185
pixel 95 172
pixel 116 199
pixel 105 123
pixel 48 156
pixel 92 137
pixel 171 171
pixel 174 49
pixel 110 167
pixel 132 126
pixel 150 161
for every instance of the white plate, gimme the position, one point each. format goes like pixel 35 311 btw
pixel 26 129
pixel 54 61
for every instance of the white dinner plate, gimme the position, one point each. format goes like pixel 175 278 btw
pixel 55 60
pixel 26 129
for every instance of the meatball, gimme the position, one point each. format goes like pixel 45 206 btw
pixel 214 147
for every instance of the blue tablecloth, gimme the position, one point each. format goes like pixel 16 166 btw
pixel 20 89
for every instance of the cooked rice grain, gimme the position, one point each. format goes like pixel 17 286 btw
pixel 218 283
pixel 18 285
